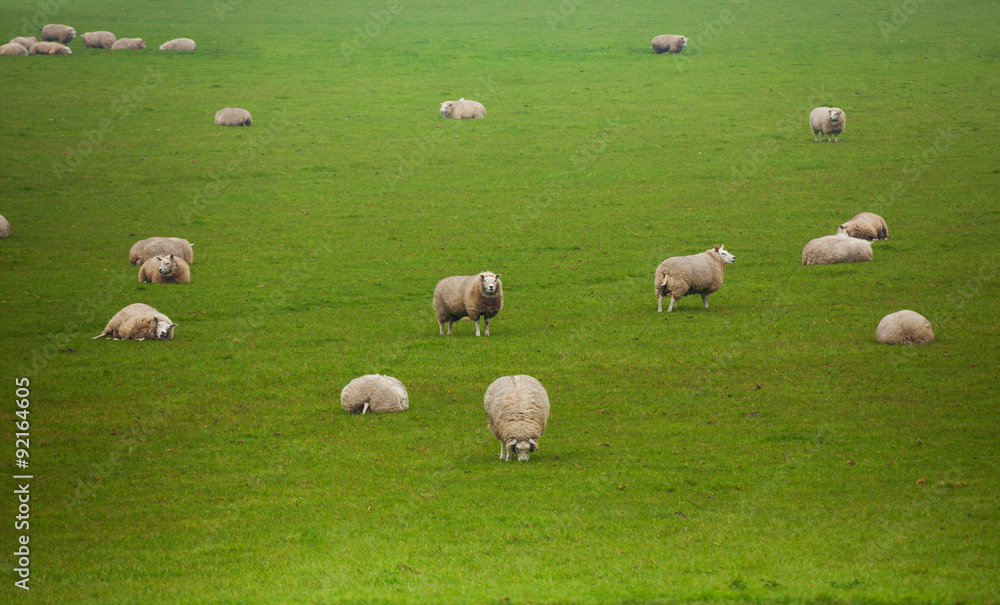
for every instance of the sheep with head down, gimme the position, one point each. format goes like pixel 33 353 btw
pixel 233 116
pixel 100 39
pixel 129 44
pixel 462 109
pixel 13 49
pixel 834 249
pixel 669 43
pixel 518 410
pixel 24 41
pixel 56 32
pixel 179 44
pixel 374 393
pixel 865 225
pixel 904 328
pixel 49 48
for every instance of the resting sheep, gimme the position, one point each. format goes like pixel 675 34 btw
pixel 179 44
pixel 165 270
pixel 24 41
pixel 518 410
pixel 833 249
pixel 146 249
pixel 669 43
pixel 101 39
pixel 865 226
pixel 827 121
pixel 904 328
pixel 13 49
pixel 4 227
pixel 471 296
pixel 128 44
pixel 232 116
pixel 139 321
pixel 701 274
pixel 374 393
pixel 462 109
pixel 55 32
pixel 49 48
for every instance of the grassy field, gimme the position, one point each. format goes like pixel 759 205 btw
pixel 766 449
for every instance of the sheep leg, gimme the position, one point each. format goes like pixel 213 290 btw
pixel 670 307
pixel 476 321
pixel 365 409
pixel 501 449
pixel 704 300
pixel 487 322
pixel 450 322
pixel 660 308
pixel 440 328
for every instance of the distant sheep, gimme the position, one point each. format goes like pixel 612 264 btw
pixel 139 322
pixel 462 109
pixel 24 41
pixel 865 226
pixel 669 43
pixel 833 249
pixel 679 276
pixel 904 328
pixel 146 249
pixel 829 121
pixel 128 44
pixel 49 48
pixel 518 410
pixel 54 32
pixel 232 116
pixel 374 393
pixel 179 44
pixel 13 49
pixel 165 270
pixel 471 296
pixel 101 39
pixel 4 227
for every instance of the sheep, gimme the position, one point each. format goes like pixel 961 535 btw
pixel 165 270
pixel 669 43
pixel 374 393
pixel 833 249
pixel 828 121
pixel 54 32
pixel 49 48
pixel 24 41
pixel 462 109
pixel 693 274
pixel 865 226
pixel 179 44
pixel 904 328
pixel 13 49
pixel 4 227
pixel 146 249
pixel 232 116
pixel 101 39
pixel 471 296
pixel 139 321
pixel 128 44
pixel 518 409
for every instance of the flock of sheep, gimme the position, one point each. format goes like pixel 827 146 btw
pixel 56 36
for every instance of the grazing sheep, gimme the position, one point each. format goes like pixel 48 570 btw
pixel 701 274
pixel 54 32
pixel 24 41
pixel 146 249
pixel 462 109
pixel 669 43
pixel 904 328
pixel 828 121
pixel 232 116
pixel 165 270
pixel 833 249
pixel 518 409
pixel 4 227
pixel 101 39
pixel 471 296
pixel 128 44
pixel 139 321
pixel 49 48
pixel 13 49
pixel 865 226
pixel 374 393
pixel 179 44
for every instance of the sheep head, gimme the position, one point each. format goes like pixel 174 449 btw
pixel 164 329
pixel 490 282
pixel 446 108
pixel 523 448
pixel 684 41
pixel 166 264
pixel 727 258
pixel 835 115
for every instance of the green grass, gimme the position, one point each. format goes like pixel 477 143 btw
pixel 763 450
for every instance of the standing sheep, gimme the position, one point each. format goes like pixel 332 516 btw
pixel 101 39
pixel 128 44
pixel 701 274
pixel 179 44
pixel 139 321
pixel 146 249
pixel 165 270
pixel 833 249
pixel 471 296
pixel 865 226
pixel 54 32
pixel 13 49
pixel 232 116
pixel 24 41
pixel 462 109
pixel 374 393
pixel 829 121
pixel 904 328
pixel 4 227
pixel 669 43
pixel 49 48
pixel 518 410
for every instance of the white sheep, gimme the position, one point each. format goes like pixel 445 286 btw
pixel 462 109
pixel 4 227
pixel 701 274
pixel 139 321
pixel 55 32
pixel 13 49
pixel 179 44
pixel 833 249
pixel 904 328
pixel 165 270
pixel 24 41
pixel 49 48
pixel 669 43
pixel 128 44
pixel 146 249
pixel 471 296
pixel 518 410
pixel 865 226
pixel 374 393
pixel 232 116
pixel 101 39
pixel 829 121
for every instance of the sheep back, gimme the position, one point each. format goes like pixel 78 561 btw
pixel 170 269
pixel 833 249
pixel 55 32
pixel 139 321
pixel 463 109
pixel 669 43
pixel 24 41
pixel 146 249
pixel 179 44
pixel 49 48
pixel 374 393
pixel 232 116
pixel 101 39
pixel 518 410
pixel 4 227
pixel 128 44
pixel 865 226
pixel 904 328
pixel 13 49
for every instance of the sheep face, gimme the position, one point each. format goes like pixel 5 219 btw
pixel 684 41
pixel 834 116
pixel 489 282
pixel 166 264
pixel 446 108
pixel 727 258
pixel 523 448
pixel 842 230
pixel 164 329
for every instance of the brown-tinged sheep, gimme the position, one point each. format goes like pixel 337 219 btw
pixel 904 328
pixel 833 249
pixel 128 44
pixel 168 269
pixel 146 249
pixel 49 48
pixel 669 43
pixel 13 49
pixel 374 393
pixel 829 121
pixel 4 227
pixel 232 116
pixel 471 296
pixel 101 39
pixel 518 410
pixel 462 109
pixel 139 321
pixel 179 44
pixel 24 41
pixel 680 276
pixel 865 226
pixel 55 32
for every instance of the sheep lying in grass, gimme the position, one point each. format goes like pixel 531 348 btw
pixel 128 44
pixel 669 43
pixel 146 249
pixel 13 49
pixel 833 249
pixel 827 121
pixel 865 226
pixel 179 44
pixel 471 296
pixel 101 39
pixel 518 410
pixel 904 328
pixel 374 393
pixel 49 48
pixel 701 274
pixel 4 227
pixel 462 109
pixel 139 321
pixel 232 116
pixel 24 41
pixel 165 270
pixel 55 32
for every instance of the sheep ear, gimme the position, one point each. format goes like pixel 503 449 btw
pixel 511 442
pixel 173 325
pixel 171 257
pixel 159 258
pixel 716 248
pixel 498 276
pixel 534 445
